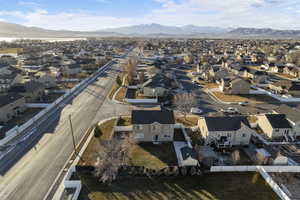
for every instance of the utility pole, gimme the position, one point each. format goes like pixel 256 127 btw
pixel 72 133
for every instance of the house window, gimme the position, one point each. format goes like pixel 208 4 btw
pixel 153 127
pixel 139 136
pixel 244 135
pixel 139 127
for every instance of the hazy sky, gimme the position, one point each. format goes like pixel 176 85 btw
pixel 99 14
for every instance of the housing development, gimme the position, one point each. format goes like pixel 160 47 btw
pixel 150 118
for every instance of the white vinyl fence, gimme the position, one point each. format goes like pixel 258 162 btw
pixel 263 170
pixel 75 184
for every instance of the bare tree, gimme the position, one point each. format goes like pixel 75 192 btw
pixel 130 68
pixel 110 157
pixel 142 77
pixel 184 102
pixel 235 156
pixel 295 57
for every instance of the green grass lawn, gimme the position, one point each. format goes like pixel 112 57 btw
pixel 215 186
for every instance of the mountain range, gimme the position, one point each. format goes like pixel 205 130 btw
pixel 150 30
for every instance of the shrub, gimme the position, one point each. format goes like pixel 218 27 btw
pixel 97 132
pixel 119 81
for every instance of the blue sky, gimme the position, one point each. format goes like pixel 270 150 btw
pixel 89 15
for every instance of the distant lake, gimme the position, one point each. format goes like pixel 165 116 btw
pixel 10 39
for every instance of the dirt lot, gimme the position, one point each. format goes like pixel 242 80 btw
pixel 215 186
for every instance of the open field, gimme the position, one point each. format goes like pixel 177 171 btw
pixel 10 50
pixel 215 186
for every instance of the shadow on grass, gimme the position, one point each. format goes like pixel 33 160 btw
pixel 225 186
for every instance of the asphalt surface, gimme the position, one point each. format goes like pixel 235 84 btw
pixel 29 169
pixel 210 105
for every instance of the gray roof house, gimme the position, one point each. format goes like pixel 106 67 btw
pixel 153 125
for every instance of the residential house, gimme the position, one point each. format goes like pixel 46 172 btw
pixel 235 86
pixel 224 132
pixel 153 125
pixel 293 71
pixel 274 125
pixel 72 69
pixel 46 78
pixel 286 87
pixel 31 90
pixel 157 86
pixel 8 77
pixel 292 115
pixel 276 68
pixel 188 156
pixel 11 105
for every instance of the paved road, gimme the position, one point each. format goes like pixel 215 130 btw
pixel 210 105
pixel 28 171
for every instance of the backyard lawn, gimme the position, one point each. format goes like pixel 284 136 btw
pixel 215 186
pixel 153 156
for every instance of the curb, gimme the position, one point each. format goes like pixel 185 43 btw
pixel 215 98
pixel 77 158
pixel 114 97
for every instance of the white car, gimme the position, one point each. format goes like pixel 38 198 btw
pixel 244 103
pixel 196 111
pixel 231 110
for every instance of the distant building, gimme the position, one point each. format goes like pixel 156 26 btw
pixel 11 105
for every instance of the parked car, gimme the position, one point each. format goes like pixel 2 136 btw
pixel 231 110
pixel 244 103
pixel 196 111
pixel 287 96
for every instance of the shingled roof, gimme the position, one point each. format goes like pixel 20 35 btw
pixel 291 114
pixel 278 121
pixel 151 116
pixel 9 98
pixel 225 123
